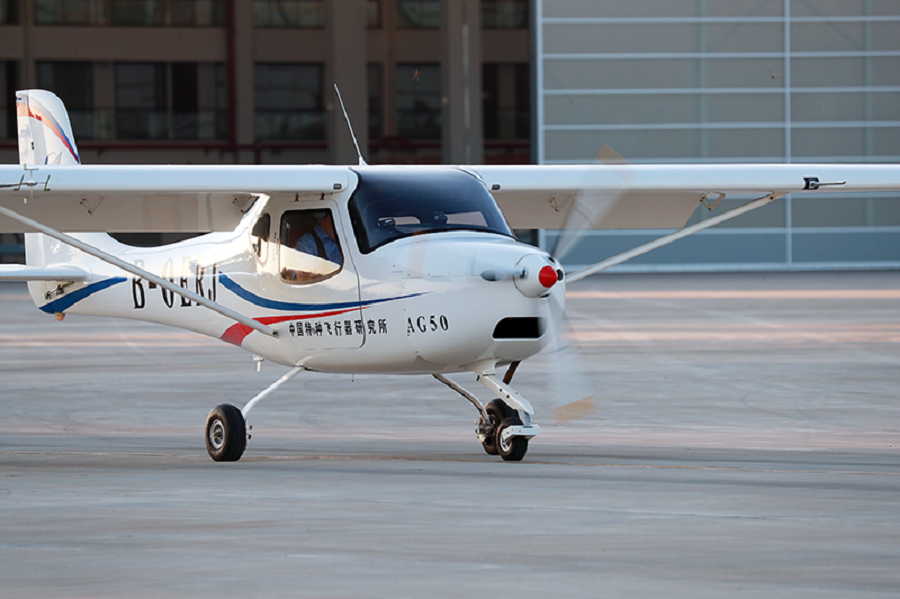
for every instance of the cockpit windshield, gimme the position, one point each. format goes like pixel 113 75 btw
pixel 391 204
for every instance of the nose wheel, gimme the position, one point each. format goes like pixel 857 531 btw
pixel 500 428
pixel 496 438
pixel 496 411
pixel 511 447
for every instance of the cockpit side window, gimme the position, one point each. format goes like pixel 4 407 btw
pixel 309 250
pixel 392 204
pixel 259 237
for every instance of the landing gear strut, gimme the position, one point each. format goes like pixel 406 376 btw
pixel 504 427
pixel 226 426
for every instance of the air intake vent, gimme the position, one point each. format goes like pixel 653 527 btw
pixel 520 328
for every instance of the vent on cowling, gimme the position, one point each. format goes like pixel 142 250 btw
pixel 530 327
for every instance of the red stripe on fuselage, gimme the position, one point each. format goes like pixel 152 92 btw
pixel 235 334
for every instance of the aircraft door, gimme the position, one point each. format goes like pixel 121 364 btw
pixel 318 279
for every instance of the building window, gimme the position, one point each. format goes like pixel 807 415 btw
pixel 197 110
pixel 506 90
pixel 131 13
pixel 419 101
pixel 289 102
pixel 418 14
pixel 504 14
pixel 199 101
pixel 289 13
pixel 8 12
pixel 376 100
pixel 373 14
pixel 9 83
pixel 64 12
pixel 141 95
pixel 73 83
pixel 161 13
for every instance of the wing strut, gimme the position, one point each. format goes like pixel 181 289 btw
pixel 667 239
pixel 140 272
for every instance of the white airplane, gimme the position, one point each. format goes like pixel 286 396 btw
pixel 352 269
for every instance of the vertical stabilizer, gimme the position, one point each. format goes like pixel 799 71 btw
pixel 45 134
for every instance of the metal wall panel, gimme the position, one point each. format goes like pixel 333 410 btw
pixel 729 81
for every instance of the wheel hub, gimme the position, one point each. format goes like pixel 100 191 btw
pixel 504 441
pixel 217 434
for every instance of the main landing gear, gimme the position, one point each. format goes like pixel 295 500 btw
pixel 226 433
pixel 226 426
pixel 504 426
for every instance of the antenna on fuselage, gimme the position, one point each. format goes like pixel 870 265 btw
pixel 362 161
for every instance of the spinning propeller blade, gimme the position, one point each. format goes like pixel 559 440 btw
pixel 574 390
pixel 589 206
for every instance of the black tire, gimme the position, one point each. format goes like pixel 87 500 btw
pixel 497 410
pixel 226 433
pixel 514 449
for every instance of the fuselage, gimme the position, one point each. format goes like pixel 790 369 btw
pixel 417 284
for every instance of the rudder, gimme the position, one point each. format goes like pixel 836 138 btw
pixel 45 133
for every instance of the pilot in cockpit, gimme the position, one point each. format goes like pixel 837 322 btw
pixel 318 238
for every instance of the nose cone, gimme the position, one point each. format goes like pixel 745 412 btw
pixel 536 276
pixel 548 277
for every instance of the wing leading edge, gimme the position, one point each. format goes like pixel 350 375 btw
pixel 17 272
pixel 100 198
pixel 661 196
pixel 213 198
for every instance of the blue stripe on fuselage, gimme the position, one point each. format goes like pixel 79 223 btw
pixel 64 303
pixel 262 302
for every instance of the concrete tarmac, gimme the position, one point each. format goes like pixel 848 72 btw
pixel 746 443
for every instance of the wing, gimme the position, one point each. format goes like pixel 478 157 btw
pixel 152 198
pixel 660 196
pixel 17 272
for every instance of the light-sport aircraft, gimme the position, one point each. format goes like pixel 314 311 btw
pixel 352 269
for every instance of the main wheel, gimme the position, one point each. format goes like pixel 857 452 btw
pixel 226 433
pixel 497 411
pixel 514 448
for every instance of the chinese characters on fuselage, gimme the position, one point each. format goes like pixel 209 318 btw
pixel 338 327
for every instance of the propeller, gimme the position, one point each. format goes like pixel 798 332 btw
pixel 574 389
pixel 590 206
pixel 573 393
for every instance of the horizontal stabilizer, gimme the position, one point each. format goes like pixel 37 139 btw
pixel 19 272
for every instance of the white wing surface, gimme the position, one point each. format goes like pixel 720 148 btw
pixel 660 196
pixel 152 198
pixel 19 272
pixel 213 198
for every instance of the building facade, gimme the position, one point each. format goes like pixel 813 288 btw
pixel 730 81
pixel 251 81
pixel 496 81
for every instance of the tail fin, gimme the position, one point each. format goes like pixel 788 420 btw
pixel 45 137
pixel 45 134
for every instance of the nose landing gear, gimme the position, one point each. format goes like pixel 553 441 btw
pixel 511 444
pixel 504 427
pixel 498 437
